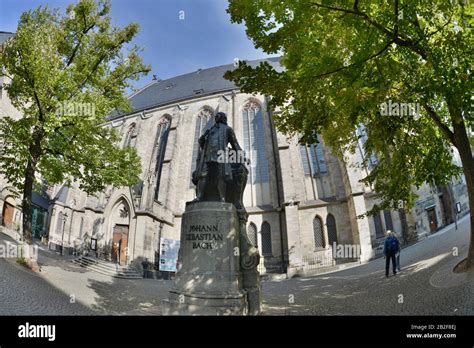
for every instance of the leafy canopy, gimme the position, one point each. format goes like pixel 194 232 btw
pixel 68 71
pixel 343 59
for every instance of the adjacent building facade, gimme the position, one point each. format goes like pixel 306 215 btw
pixel 300 198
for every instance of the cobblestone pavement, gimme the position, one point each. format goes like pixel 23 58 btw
pixel 49 292
pixel 105 294
pixel 23 292
pixel 426 285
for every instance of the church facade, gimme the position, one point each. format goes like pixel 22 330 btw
pixel 301 200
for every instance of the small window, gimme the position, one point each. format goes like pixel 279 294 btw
pixel 332 230
pixel 252 234
pixel 318 232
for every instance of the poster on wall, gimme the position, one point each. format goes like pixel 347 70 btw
pixel 94 244
pixel 169 249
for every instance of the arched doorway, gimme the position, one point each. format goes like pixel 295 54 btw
pixel 120 223
pixel 8 212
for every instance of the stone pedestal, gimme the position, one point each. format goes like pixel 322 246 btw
pixel 209 280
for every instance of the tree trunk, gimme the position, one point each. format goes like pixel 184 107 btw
pixel 35 152
pixel 464 148
pixel 403 220
pixel 468 165
pixel 26 203
pixel 470 189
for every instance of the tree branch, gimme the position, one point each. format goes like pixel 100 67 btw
pixel 64 125
pixel 41 117
pixel 356 5
pixel 417 25
pixel 121 77
pixel 356 63
pixel 395 29
pixel 84 31
pixel 391 34
pixel 435 31
pixel 32 85
pixel 437 120
pixel 84 81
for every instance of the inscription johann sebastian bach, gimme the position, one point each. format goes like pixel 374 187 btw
pixel 204 236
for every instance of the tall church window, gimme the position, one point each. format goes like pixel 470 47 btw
pixel 361 133
pixel 314 168
pixel 255 150
pixel 266 239
pixel 160 149
pixel 131 135
pixel 312 157
pixel 60 223
pixel 318 233
pixel 204 121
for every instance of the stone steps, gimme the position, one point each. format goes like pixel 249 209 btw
pixel 107 268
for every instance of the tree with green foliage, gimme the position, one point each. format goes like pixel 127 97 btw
pixel 344 60
pixel 68 72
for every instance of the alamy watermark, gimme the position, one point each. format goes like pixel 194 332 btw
pixel 37 331
pixel 76 109
pixel 234 156
pixel 345 251
pixel 391 108
pixel 14 251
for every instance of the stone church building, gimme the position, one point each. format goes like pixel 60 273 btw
pixel 300 199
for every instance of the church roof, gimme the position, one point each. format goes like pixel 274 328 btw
pixel 4 36
pixel 198 83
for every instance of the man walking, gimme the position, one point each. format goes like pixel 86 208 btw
pixel 390 248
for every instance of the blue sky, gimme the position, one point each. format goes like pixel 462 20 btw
pixel 172 46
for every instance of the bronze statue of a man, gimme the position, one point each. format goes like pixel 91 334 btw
pixel 213 169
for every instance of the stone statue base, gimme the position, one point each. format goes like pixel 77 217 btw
pixel 209 280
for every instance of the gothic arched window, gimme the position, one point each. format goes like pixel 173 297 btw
pixel 252 234
pixel 266 239
pixel 332 230
pixel 378 226
pixel 161 140
pixel 312 156
pixel 131 135
pixel 204 120
pixel 255 150
pixel 388 220
pixel 362 136
pixel 60 223
pixel 318 233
